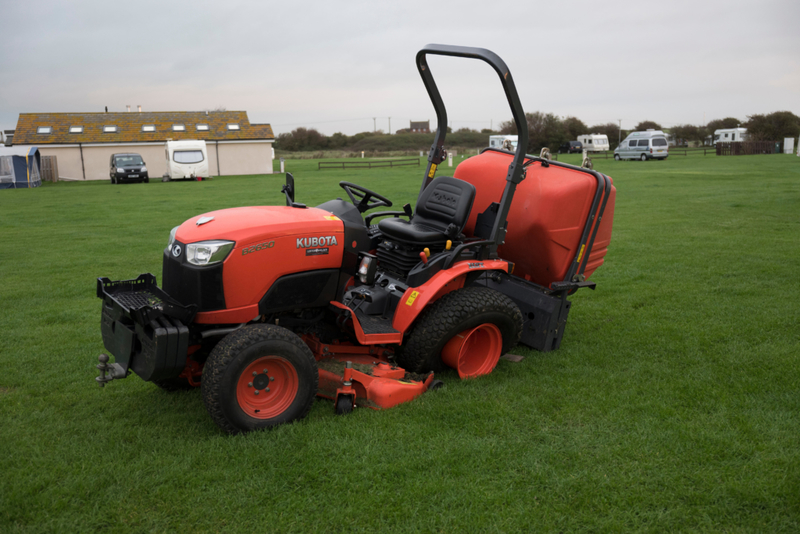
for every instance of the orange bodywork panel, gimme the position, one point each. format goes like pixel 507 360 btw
pixel 547 216
pixel 416 299
pixel 271 241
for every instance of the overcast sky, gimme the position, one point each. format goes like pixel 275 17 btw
pixel 336 65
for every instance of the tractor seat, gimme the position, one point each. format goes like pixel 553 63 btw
pixel 442 211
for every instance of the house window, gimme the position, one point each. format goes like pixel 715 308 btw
pixel 178 128
pixel 44 130
pixel 76 129
pixel 149 128
pixel 202 127
pixel 109 129
pixel 733 137
pixel 233 127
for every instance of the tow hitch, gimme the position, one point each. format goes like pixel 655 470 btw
pixel 114 370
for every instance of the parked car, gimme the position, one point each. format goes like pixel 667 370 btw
pixel 570 147
pixel 651 144
pixel 127 168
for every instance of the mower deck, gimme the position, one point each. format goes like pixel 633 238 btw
pixel 365 374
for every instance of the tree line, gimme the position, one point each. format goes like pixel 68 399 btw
pixel 544 130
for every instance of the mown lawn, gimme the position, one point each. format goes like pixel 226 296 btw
pixel 673 403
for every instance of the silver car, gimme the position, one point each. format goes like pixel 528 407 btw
pixel 651 144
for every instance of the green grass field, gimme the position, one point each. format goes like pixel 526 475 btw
pixel 672 405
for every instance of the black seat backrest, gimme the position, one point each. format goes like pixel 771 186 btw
pixel 445 201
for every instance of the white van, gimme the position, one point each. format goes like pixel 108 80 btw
pixel 497 141
pixel 730 135
pixel 594 142
pixel 186 159
pixel 651 144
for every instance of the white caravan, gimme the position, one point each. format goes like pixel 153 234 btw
pixel 186 159
pixel 497 141
pixel 594 142
pixel 730 135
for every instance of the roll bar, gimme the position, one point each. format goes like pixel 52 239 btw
pixel 437 154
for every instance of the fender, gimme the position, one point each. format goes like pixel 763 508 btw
pixel 416 299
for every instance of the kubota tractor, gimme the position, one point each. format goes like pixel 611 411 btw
pixel 266 307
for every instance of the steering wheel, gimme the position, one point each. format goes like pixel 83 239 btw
pixel 361 196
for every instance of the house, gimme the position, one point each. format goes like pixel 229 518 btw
pixel 84 142
pixel 420 126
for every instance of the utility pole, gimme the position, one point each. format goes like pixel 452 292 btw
pixel 374 125
pixel 619 136
pixel 390 126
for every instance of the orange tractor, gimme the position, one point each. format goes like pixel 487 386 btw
pixel 266 307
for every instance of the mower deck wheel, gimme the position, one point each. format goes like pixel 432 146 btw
pixel 452 314
pixel 344 405
pixel 258 377
pixel 173 384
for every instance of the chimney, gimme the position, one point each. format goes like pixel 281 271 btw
pixel 128 108
pixel 140 108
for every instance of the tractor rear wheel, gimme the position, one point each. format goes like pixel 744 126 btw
pixel 452 314
pixel 258 377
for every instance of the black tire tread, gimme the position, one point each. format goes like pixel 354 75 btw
pixel 450 315
pixel 225 352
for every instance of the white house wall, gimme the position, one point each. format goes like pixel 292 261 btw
pixel 235 158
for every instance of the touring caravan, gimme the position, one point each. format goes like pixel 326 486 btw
pixel 651 144
pixel 497 141
pixel 594 142
pixel 186 160
pixel 730 135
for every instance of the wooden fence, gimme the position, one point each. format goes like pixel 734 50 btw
pixel 742 148
pixel 672 152
pixel 367 164
pixel 49 170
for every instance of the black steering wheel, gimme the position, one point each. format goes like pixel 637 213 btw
pixel 361 196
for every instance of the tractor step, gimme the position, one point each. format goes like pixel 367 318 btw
pixel 375 324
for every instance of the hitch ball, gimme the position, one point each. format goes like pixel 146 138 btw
pixel 104 368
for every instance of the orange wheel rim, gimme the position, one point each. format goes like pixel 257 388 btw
pixel 474 352
pixel 267 387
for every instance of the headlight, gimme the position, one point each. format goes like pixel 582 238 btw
pixel 120 169
pixel 144 169
pixel 208 252
pixel 172 236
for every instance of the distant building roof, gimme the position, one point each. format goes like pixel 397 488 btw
pixel 137 127
pixel 420 125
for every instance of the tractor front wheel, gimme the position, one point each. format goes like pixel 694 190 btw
pixel 453 314
pixel 258 377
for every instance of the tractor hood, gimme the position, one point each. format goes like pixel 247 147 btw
pixel 252 225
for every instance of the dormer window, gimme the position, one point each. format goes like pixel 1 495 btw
pixel 148 127
pixel 202 127
pixel 233 127
pixel 44 130
pixel 109 129
pixel 76 129
pixel 178 128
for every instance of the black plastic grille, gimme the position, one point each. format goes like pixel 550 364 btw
pixel 191 284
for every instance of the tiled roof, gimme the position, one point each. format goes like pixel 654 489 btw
pixel 129 127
